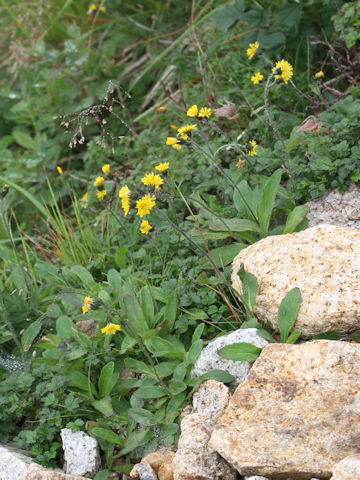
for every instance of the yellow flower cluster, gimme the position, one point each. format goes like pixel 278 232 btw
pixel 284 71
pixel 319 74
pixel 204 112
pixel 253 48
pixel 88 303
pixel 60 170
pixel 144 205
pixel 93 7
pixel 124 195
pixel 254 146
pixel 111 328
pixel 152 179
pixel 257 77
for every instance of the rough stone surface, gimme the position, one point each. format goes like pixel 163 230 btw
pixel 37 472
pixel 335 208
pixel 256 477
pixel 323 262
pixel 347 469
pixel 296 415
pixel 81 453
pixel 194 460
pixel 13 463
pixel 161 463
pixel 89 327
pixel 209 359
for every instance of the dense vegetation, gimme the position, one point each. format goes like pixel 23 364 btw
pixel 111 215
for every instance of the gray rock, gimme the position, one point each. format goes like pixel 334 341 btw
pixel 347 469
pixel 209 359
pixel 211 399
pixel 13 463
pixel 256 477
pixel 81 453
pixel 146 472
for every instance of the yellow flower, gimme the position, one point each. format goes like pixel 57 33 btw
pixel 161 109
pixel 254 147
pixel 106 169
pixel 253 47
pixel 192 111
pixel 319 74
pixel 162 166
pixel 205 112
pixel 152 179
pixel 111 328
pixel 174 127
pixel 84 199
pixel 99 181
pixel 173 142
pixel 145 204
pixel 124 194
pixel 103 9
pixel 145 227
pixel 183 136
pixel 60 170
pixel 101 194
pixel 92 7
pixel 286 70
pixel 257 77
pixel 88 302
pixel 187 128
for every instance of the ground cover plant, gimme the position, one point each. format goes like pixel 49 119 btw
pixel 141 149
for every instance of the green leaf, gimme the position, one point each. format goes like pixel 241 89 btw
pixel 198 332
pixel 102 475
pixel 115 279
pixel 120 257
pixel 288 312
pixel 165 369
pixel 138 367
pixel 64 327
pixel 84 275
pixel 329 335
pixel 222 256
pixel 135 315
pixel 244 352
pixel 219 375
pixel 160 347
pixel 267 201
pixel 150 391
pixel 294 336
pixel 134 440
pixel 170 311
pixel 106 379
pixel 177 386
pixel 225 17
pixel 140 415
pixel 104 406
pixel 295 217
pixel 194 352
pixel 234 225
pixel 79 380
pixel 147 305
pixel 23 139
pixel 108 435
pixel 250 287
pixel 30 334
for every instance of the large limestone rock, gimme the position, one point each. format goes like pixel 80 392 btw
pixel 81 453
pixel 347 469
pixel 14 463
pixel 209 358
pixel 323 262
pixel 37 472
pixel 296 415
pixel 194 459
pixel 335 208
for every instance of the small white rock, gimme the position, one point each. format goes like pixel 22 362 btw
pixel 81 453
pixel 13 463
pixel 209 358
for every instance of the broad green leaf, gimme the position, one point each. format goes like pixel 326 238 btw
pixel 194 352
pixel 295 217
pixel 170 311
pixel 115 279
pixel 120 257
pixel 225 17
pixel 250 287
pixel 234 225
pixel 219 375
pixel 329 335
pixel 198 332
pixel 151 391
pixel 108 435
pixel 30 334
pixel 104 406
pixel 79 380
pixel 76 353
pixel 140 415
pixel 222 256
pixel 159 294
pixel 293 337
pixel 288 312
pixel 165 369
pixel 147 305
pixel 138 367
pixel 23 139
pixel 84 275
pixel 245 199
pixel 160 347
pixel 105 381
pixel 102 475
pixel 177 386
pixel 64 327
pixel 135 315
pixel 267 202
pixel 134 440
pixel 244 352
pixel 127 344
